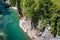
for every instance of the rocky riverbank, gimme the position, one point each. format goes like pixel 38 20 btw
pixel 34 34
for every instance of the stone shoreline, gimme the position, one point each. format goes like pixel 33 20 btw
pixel 34 34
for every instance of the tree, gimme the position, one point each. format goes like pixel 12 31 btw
pixel 13 2
pixel 46 11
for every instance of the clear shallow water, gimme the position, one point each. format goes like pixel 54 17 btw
pixel 11 26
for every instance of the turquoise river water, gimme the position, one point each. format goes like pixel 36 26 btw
pixel 11 25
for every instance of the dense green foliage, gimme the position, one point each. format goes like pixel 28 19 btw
pixel 44 10
pixel 13 2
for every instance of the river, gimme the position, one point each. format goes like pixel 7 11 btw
pixel 11 25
